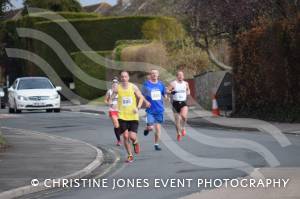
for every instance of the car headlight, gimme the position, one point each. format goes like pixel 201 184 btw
pixel 56 96
pixel 23 98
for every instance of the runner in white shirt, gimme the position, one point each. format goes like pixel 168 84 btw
pixel 111 99
pixel 179 90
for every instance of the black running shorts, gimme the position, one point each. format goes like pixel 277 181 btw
pixel 178 105
pixel 131 126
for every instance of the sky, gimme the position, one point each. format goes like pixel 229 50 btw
pixel 19 3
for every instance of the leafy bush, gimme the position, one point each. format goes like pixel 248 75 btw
pixel 267 72
pixel 154 53
pixel 169 55
pixel 185 55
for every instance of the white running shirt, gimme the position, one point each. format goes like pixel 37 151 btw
pixel 180 89
pixel 114 100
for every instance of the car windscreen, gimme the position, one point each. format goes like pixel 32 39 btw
pixel 34 84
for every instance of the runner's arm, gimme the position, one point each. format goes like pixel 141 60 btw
pixel 165 92
pixel 139 96
pixel 170 88
pixel 144 93
pixel 107 98
pixel 188 90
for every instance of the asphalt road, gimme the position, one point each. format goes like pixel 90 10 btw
pixel 169 163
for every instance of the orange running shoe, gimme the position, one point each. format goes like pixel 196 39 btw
pixel 178 137
pixel 183 132
pixel 129 159
pixel 136 147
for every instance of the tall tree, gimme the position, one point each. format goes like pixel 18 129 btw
pixel 55 5
pixel 224 19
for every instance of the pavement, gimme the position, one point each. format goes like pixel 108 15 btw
pixel 32 155
pixel 200 117
pixel 291 191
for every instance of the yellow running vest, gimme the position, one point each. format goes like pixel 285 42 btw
pixel 127 103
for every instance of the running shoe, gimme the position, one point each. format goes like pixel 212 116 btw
pixel 119 143
pixel 129 159
pixel 157 148
pixel 178 137
pixel 136 147
pixel 146 132
pixel 183 132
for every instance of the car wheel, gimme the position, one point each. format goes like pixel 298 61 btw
pixel 57 110
pixel 49 110
pixel 17 110
pixel 3 106
pixel 11 110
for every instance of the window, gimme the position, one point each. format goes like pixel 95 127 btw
pixel 34 84
pixel 14 84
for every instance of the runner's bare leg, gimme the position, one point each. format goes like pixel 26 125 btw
pixel 157 133
pixel 126 142
pixel 116 124
pixel 133 137
pixel 183 115
pixel 178 123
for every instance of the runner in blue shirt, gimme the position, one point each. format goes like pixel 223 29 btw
pixel 154 92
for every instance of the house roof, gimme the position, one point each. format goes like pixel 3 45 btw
pixel 12 14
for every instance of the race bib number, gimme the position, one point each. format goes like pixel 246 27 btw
pixel 181 95
pixel 156 95
pixel 127 101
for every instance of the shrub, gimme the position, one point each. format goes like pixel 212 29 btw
pixel 154 53
pixel 169 55
pixel 267 72
pixel 185 54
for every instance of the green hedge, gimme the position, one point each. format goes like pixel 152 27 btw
pixel 27 21
pixel 100 34
pixel 13 41
pixel 94 70
pixel 267 72
pixel 78 15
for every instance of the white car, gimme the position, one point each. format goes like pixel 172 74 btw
pixel 33 93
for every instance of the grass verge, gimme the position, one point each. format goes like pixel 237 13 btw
pixel 2 141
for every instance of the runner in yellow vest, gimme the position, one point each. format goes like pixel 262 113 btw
pixel 128 108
